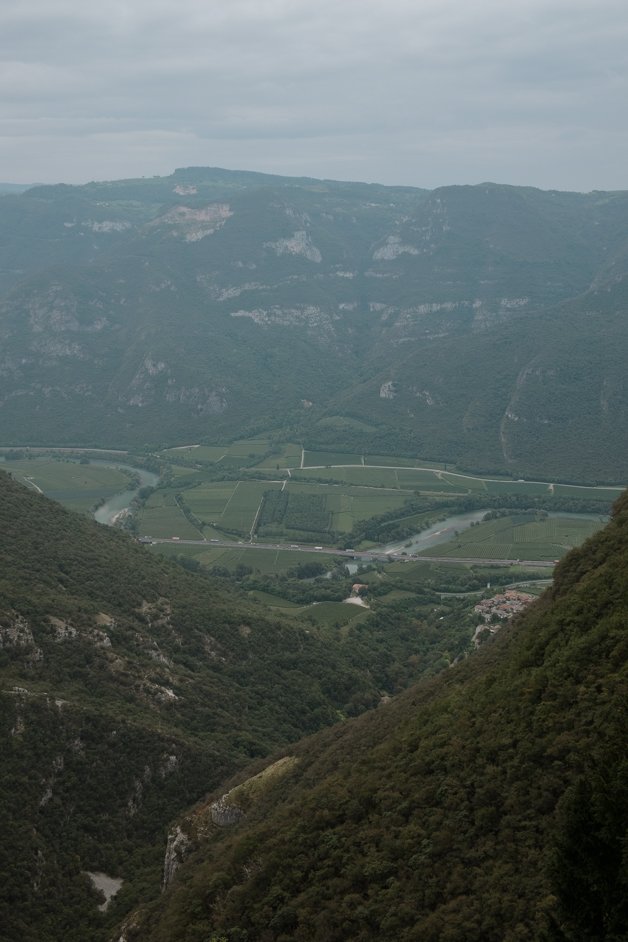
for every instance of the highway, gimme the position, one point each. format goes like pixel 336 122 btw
pixel 363 555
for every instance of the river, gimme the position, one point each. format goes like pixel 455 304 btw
pixel 444 530
pixel 440 532
pixel 111 509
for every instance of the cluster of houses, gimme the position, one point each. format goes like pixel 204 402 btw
pixel 505 605
pixel 502 606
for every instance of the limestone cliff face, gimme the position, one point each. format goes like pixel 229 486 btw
pixel 178 844
pixel 225 814
pixel 226 811
pixel 184 837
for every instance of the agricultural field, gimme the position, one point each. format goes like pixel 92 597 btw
pixel 353 468
pixel 287 510
pixel 230 506
pixel 162 517
pixel 235 454
pixel 429 481
pixel 464 482
pixel 366 477
pixel 519 537
pixel 387 461
pixel 182 471
pixel 283 456
pixel 77 486
pixel 303 509
pixel 587 493
pixel 249 448
pixel 529 488
pixel 266 561
pixel 195 454
pixel 317 459
pixel 331 614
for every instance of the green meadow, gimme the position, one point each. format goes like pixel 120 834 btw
pixel 77 486
pixel 162 517
pixel 265 561
pixel 318 458
pixel 518 537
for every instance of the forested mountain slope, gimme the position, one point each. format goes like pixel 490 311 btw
pixel 128 688
pixel 483 325
pixel 488 805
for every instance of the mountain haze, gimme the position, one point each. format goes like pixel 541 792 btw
pixel 483 325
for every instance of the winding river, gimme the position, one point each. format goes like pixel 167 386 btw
pixel 444 530
pixel 111 509
pixel 440 532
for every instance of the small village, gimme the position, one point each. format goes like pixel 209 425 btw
pixel 499 608
pixel 505 605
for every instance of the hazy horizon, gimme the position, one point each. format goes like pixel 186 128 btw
pixel 407 93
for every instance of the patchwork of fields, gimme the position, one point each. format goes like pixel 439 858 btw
pixel 281 493
pixel 233 507
pixel 517 538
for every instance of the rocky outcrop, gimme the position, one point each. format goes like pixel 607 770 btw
pixel 299 243
pixel 176 850
pixel 224 814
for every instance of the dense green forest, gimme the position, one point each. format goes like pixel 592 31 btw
pixel 130 687
pixel 486 805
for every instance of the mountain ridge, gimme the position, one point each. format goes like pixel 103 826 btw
pixel 214 303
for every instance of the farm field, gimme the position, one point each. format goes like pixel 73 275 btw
pixel 197 454
pixel 331 614
pixel 77 486
pixel 348 504
pixel 249 448
pixel 317 458
pixel 366 477
pixel 162 517
pixel 419 480
pixel 388 461
pixel 230 506
pixel 267 562
pixel 408 478
pixel 529 488
pixel 519 537
pixel 587 493
pixel 286 456
pixel 237 453
pixel 182 471
pixel 390 471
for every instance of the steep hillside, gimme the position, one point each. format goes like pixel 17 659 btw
pixel 129 688
pixel 213 303
pixel 489 805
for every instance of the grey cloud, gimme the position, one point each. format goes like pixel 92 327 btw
pixel 411 91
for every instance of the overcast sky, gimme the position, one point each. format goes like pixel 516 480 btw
pixel 417 92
